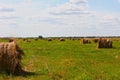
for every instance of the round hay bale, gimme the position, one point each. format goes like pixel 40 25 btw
pixel 36 39
pixel 26 40
pixel 49 39
pixel 86 41
pixel 73 39
pixel 12 39
pixel 96 40
pixel 62 39
pixel 105 43
pixel 10 58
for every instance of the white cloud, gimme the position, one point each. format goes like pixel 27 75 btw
pixel 73 18
pixel 72 7
pixel 78 1
pixel 8 15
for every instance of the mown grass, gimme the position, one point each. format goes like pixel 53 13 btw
pixel 68 60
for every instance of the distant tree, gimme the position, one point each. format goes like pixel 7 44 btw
pixel 40 37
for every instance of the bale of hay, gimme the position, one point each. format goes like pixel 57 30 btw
pixel 49 39
pixel 105 43
pixel 26 40
pixel 11 39
pixel 36 39
pixel 62 39
pixel 72 39
pixel 10 58
pixel 78 38
pixel 96 40
pixel 86 41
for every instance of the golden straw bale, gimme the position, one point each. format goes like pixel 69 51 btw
pixel 36 39
pixel 26 40
pixel 96 40
pixel 86 41
pixel 49 39
pixel 105 43
pixel 62 39
pixel 12 39
pixel 10 58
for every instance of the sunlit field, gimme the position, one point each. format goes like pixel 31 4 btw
pixel 67 60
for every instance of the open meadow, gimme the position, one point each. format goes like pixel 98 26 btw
pixel 67 60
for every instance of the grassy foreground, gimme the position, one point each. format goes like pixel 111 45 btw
pixel 68 60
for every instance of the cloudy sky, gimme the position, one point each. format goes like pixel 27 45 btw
pixel 26 18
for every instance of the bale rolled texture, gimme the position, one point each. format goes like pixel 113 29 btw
pixel 62 39
pixel 96 40
pixel 105 43
pixel 86 41
pixel 10 58
pixel 49 39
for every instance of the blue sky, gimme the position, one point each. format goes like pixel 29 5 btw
pixel 31 18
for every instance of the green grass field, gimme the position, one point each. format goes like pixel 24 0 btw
pixel 68 60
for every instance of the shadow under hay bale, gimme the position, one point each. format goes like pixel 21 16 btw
pixel 105 43
pixel 26 73
pixel 10 58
